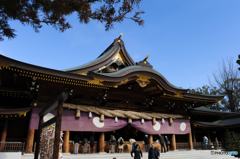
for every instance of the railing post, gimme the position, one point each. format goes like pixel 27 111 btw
pixel 23 148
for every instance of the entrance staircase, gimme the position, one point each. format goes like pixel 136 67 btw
pixel 181 154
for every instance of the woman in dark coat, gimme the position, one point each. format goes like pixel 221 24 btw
pixel 137 152
pixel 92 143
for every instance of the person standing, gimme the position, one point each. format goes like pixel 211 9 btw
pixel 167 142
pixel 133 143
pixel 92 143
pixel 153 153
pixel 120 144
pixel 112 143
pixel 85 144
pixel 137 152
pixel 205 141
pixel 76 142
pixel 161 140
pixel 146 141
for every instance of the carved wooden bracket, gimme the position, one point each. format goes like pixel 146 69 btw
pixel 143 80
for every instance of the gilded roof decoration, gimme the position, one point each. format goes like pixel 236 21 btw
pixel 96 81
pixel 83 73
pixel 119 57
pixel 143 80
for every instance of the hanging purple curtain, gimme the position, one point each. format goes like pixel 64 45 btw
pixel 179 126
pixel 84 123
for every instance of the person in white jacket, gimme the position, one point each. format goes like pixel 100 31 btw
pixel 120 144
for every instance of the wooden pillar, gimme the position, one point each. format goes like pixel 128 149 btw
pixel 4 134
pixel 194 137
pixel 39 131
pixel 216 143
pixel 173 142
pixel 101 142
pixel 190 141
pixel 58 130
pixel 209 137
pixel 66 142
pixel 150 140
pixel 30 139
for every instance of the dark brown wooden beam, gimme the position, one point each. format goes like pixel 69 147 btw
pixel 58 130
pixel 62 96
pixel 39 131
pixel 49 122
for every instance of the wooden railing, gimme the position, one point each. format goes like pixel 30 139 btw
pixel 208 146
pixel 182 145
pixel 12 147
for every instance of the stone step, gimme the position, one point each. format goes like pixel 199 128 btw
pixel 181 154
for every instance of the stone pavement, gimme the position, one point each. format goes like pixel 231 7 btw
pixel 181 154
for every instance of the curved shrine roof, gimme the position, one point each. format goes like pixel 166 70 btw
pixel 105 59
pixel 125 69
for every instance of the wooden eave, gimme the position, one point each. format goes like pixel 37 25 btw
pixel 14 111
pixel 7 62
pixel 46 74
pixel 204 97
pixel 195 112
pixel 108 79
pixel 134 71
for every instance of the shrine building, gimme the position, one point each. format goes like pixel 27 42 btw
pixel 110 95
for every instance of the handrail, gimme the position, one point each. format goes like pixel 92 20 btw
pixel 12 147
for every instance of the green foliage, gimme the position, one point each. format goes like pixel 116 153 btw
pixel 232 141
pixel 55 12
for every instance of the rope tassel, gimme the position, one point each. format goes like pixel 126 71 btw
pixel 102 118
pixel 154 121
pixel 170 121
pixel 78 113
pixel 129 120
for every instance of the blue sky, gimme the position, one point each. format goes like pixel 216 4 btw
pixel 186 39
